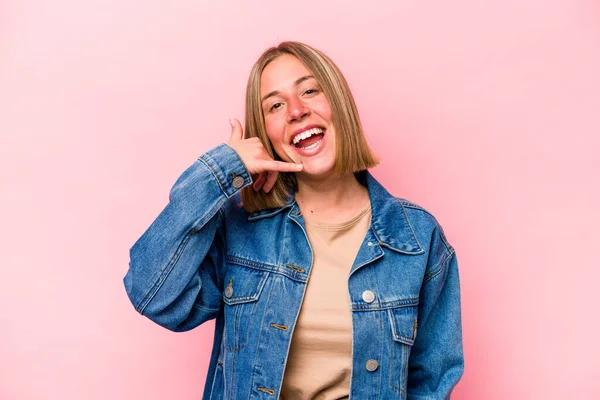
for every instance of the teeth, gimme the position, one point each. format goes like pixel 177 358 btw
pixel 306 134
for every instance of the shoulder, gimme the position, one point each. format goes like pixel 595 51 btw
pixel 423 221
pixel 233 208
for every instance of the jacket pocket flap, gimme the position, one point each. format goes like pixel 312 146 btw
pixel 243 284
pixel 403 321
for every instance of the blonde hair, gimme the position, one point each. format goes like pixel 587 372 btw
pixel 352 153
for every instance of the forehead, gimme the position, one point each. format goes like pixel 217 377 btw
pixel 281 73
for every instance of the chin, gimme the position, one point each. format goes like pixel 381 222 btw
pixel 318 171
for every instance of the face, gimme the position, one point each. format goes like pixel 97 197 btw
pixel 298 116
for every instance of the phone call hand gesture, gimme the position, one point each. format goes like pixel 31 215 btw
pixel 263 168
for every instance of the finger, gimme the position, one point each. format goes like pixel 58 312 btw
pixel 271 179
pixel 259 181
pixel 237 133
pixel 272 165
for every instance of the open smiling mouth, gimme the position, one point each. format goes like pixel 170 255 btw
pixel 308 139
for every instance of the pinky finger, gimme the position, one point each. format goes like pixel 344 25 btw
pixel 271 179
pixel 260 181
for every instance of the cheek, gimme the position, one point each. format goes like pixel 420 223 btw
pixel 275 131
pixel 324 109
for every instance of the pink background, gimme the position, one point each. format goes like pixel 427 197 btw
pixel 484 112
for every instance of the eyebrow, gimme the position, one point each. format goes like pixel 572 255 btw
pixel 296 83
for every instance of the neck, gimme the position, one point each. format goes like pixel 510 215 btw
pixel 333 198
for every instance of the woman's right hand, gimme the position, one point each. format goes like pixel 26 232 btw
pixel 263 168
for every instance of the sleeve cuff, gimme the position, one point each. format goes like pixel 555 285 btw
pixel 229 169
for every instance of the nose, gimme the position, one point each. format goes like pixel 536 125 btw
pixel 297 110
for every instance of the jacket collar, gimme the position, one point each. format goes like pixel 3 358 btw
pixel 389 221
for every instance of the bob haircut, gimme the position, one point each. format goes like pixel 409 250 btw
pixel 352 151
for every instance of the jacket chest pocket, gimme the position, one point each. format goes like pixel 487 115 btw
pixel 243 287
pixel 403 322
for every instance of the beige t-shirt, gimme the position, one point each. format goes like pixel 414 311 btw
pixel 320 357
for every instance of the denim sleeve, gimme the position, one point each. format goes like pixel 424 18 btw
pixel 436 362
pixel 175 267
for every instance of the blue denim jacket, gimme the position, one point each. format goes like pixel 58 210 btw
pixel 205 257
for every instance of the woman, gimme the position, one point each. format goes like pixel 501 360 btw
pixel 287 199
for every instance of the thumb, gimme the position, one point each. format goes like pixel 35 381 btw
pixel 237 132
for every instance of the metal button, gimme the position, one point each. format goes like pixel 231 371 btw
pixel 229 291
pixel 371 365
pixel 238 182
pixel 368 296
